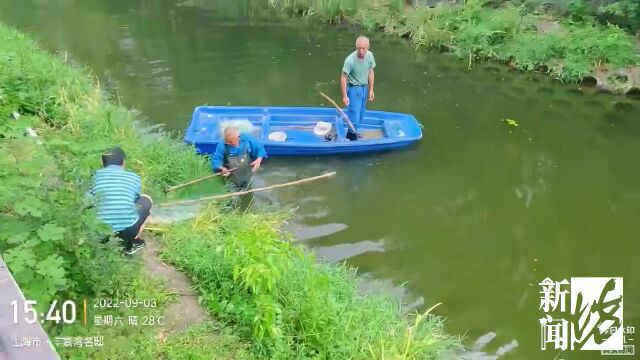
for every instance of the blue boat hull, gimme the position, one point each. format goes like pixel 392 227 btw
pixel 383 131
pixel 312 151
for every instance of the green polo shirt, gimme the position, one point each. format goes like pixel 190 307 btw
pixel 357 70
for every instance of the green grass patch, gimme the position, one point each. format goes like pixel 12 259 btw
pixel 329 11
pixel 288 304
pixel 47 238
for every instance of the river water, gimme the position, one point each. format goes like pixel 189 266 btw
pixel 474 217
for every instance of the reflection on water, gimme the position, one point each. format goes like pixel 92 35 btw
pixel 476 351
pixel 314 232
pixel 473 217
pixel 341 252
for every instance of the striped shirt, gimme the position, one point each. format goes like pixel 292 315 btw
pixel 116 191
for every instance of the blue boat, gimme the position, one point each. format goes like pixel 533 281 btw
pixel 303 130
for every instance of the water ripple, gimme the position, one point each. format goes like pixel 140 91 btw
pixel 341 252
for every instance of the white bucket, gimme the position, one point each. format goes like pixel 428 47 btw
pixel 322 128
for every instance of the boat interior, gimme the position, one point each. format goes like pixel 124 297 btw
pixel 298 125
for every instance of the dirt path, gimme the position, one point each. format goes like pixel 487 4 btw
pixel 186 311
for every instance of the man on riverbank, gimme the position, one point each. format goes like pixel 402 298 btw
pixel 120 202
pixel 356 81
pixel 237 158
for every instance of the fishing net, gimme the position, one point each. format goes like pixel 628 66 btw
pixel 243 125
pixel 175 213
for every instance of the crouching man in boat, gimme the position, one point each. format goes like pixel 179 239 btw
pixel 238 158
pixel 356 81
pixel 119 200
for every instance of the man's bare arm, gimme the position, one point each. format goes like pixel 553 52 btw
pixel 343 87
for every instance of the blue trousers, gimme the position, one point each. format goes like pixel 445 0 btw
pixel 357 104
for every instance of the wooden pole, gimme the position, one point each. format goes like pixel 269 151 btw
pixel 216 197
pixel 147 228
pixel 341 112
pixel 195 181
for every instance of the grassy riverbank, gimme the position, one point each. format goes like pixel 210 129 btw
pixel 276 301
pixel 567 46
pixel 47 240
pixel 292 306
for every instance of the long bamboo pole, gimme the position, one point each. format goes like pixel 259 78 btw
pixel 216 197
pixel 341 112
pixel 195 181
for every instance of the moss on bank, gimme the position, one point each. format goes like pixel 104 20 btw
pixel 511 34
pixel 272 295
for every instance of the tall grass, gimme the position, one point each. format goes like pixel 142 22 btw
pixel 158 158
pixel 47 237
pixel 329 11
pixel 290 305
pixel 72 109
pixel 573 53
pixel 48 241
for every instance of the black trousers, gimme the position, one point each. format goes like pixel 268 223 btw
pixel 128 235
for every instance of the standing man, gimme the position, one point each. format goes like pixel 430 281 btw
pixel 356 81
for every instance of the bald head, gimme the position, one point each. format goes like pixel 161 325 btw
pixel 232 136
pixel 362 46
